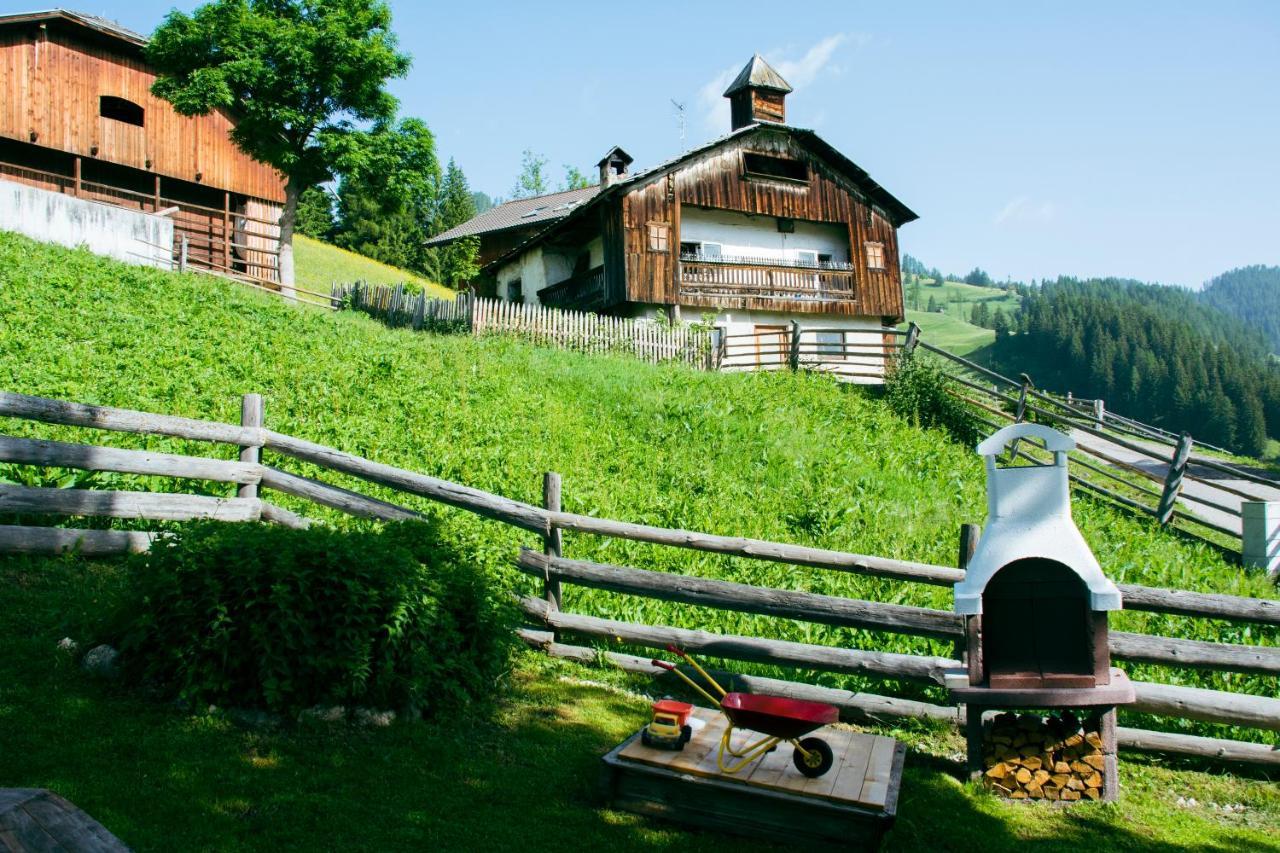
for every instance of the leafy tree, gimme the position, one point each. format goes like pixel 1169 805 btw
pixel 297 73
pixel 533 176
pixel 315 214
pixel 574 179
pixel 933 304
pixel 1000 322
pixel 387 201
pixel 481 201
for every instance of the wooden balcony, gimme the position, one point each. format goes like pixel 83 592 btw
pixel 583 292
pixel 737 279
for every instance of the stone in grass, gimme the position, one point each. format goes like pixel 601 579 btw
pixel 100 661
pixel 323 714
pixel 251 718
pixel 374 718
pixel 66 644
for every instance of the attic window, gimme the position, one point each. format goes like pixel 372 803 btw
pixel 875 256
pixel 119 109
pixel 774 168
pixel 533 212
pixel 659 237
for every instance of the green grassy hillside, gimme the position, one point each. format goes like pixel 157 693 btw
pixel 775 456
pixel 319 265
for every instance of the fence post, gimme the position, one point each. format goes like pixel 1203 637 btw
pixel 1173 480
pixel 182 254
pixel 794 355
pixel 553 542
pixel 250 416
pixel 913 338
pixel 1100 413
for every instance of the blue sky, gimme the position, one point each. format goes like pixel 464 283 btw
pixel 1129 139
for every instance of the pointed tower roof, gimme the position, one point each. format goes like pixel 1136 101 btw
pixel 758 74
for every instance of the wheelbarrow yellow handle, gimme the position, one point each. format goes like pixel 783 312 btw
pixel 670 667
pixel 675 650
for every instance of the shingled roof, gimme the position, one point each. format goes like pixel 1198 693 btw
pixel 96 23
pixel 520 213
pixel 758 74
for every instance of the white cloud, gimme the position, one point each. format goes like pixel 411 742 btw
pixel 1024 209
pixel 798 71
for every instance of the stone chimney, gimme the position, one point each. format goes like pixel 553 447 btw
pixel 613 166
pixel 757 94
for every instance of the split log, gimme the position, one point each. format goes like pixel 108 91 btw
pixel 87 457
pixel 345 500
pixel 17 539
pixel 125 420
pixel 151 505
pixel 482 503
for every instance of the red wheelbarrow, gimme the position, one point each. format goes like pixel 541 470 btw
pixel 773 718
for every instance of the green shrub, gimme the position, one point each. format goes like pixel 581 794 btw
pixel 917 390
pixel 254 615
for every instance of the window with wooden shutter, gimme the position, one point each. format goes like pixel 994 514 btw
pixel 659 237
pixel 875 256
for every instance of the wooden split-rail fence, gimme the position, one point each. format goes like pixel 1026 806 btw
pixel 249 476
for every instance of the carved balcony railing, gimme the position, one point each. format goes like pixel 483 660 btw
pixel 781 281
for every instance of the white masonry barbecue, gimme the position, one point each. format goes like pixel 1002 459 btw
pixel 1035 603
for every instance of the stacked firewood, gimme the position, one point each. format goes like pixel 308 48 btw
pixel 1032 757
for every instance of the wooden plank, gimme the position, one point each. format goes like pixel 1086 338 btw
pixel 852 773
pixel 124 420
pixel 464 497
pixel 1176 651
pixel 285 518
pixel 1211 706
pixel 758 549
pixel 250 416
pixel 1201 747
pixel 744 598
pixel 87 457
pixel 842 743
pixel 335 497
pixel 879 773
pixel 150 505
pixel 921 668
pixel 1208 605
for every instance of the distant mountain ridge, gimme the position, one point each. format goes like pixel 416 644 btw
pixel 1251 295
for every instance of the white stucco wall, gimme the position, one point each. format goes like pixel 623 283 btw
pixel 127 235
pixel 529 268
pixel 759 237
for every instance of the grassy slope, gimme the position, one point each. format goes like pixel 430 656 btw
pixel 319 265
pixel 523 778
pixel 790 458
pixel 952 333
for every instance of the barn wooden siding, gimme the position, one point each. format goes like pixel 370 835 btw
pixel 53 78
pixel 715 180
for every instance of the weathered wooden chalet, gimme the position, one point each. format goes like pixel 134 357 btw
pixel 78 117
pixel 764 227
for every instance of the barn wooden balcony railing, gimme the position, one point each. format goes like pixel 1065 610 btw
pixel 584 291
pixel 788 282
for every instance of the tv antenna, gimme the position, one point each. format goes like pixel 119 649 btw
pixel 679 116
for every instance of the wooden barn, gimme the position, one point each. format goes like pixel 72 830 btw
pixel 79 118
pixel 768 228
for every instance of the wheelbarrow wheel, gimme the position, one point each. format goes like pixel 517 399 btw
pixel 818 760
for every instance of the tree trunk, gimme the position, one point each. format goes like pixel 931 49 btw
pixel 288 219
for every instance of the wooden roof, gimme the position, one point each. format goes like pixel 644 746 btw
pixel 758 74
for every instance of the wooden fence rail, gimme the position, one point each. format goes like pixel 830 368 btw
pixel 548 521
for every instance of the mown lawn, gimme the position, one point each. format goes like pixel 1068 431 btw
pixel 519 777
pixel 319 265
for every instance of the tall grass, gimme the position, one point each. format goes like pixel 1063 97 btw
pixel 794 458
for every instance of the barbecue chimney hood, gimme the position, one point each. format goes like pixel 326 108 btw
pixel 1029 519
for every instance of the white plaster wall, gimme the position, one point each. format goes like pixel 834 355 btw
pixel 759 237
pixel 531 271
pixel 126 235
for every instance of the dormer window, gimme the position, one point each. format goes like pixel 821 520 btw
pixel 120 109
pixel 768 167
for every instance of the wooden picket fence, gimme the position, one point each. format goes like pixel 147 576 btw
pixel 578 331
pixel 249 476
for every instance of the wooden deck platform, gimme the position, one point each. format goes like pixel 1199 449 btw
pixel 853 803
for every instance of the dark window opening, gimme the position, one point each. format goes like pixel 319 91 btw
pixel 582 263
pixel 786 226
pixel 515 291
pixel 690 250
pixel 119 109
pixel 774 168
pixel 824 259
